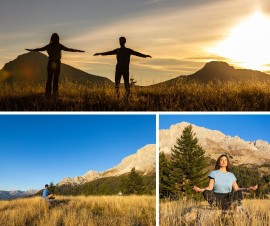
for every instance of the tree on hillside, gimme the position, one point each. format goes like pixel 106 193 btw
pixel 164 177
pixel 52 187
pixel 134 183
pixel 187 164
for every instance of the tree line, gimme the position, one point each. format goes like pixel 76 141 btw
pixel 131 183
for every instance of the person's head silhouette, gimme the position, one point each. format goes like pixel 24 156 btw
pixel 122 41
pixel 54 38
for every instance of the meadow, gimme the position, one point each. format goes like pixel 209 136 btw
pixel 183 96
pixel 174 213
pixel 80 211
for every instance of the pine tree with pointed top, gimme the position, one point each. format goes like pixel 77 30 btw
pixel 134 184
pixel 52 187
pixel 187 164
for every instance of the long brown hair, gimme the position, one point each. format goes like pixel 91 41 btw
pixel 217 167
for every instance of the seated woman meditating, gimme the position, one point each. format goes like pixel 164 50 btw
pixel 221 183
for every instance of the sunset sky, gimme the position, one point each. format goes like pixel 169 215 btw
pixel 181 35
pixel 38 149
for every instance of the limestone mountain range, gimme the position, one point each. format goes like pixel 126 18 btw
pixel 216 143
pixel 144 161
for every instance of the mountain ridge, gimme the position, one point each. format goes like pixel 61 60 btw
pixel 32 66
pixel 8 195
pixel 143 161
pixel 215 71
pixel 216 143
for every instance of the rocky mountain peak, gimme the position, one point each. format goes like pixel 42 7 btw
pixel 144 160
pixel 216 143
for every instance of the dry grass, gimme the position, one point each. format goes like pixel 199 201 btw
pixel 80 211
pixel 172 213
pixel 184 96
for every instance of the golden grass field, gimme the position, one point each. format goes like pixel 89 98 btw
pixel 183 96
pixel 171 214
pixel 80 211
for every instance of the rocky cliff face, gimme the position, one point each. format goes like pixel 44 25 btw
pixel 144 161
pixel 89 176
pixel 216 143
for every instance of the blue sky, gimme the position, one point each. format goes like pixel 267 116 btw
pixel 38 149
pixel 178 34
pixel 248 127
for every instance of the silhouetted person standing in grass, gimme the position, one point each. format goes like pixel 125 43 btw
pixel 122 67
pixel 54 49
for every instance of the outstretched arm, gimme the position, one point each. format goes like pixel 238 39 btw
pixel 113 52
pixel 139 54
pixel 37 49
pixel 71 50
pixel 209 187
pixel 252 188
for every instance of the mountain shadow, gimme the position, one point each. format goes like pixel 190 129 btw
pixel 219 71
pixel 32 67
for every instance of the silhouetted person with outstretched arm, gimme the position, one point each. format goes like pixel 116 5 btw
pixel 122 67
pixel 54 49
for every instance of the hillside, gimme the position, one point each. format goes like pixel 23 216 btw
pixel 105 186
pixel 32 67
pixel 219 71
pixel 144 161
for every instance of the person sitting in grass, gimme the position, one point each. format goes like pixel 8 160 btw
pixel 122 67
pixel 46 194
pixel 221 183
pixel 54 49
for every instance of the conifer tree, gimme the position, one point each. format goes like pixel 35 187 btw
pixel 164 177
pixel 187 164
pixel 52 187
pixel 134 183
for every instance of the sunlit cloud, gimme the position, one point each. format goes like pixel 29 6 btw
pixel 166 37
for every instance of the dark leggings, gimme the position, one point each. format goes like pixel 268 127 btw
pixel 53 70
pixel 223 199
pixel 118 75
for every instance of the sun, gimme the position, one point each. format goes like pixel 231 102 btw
pixel 248 43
